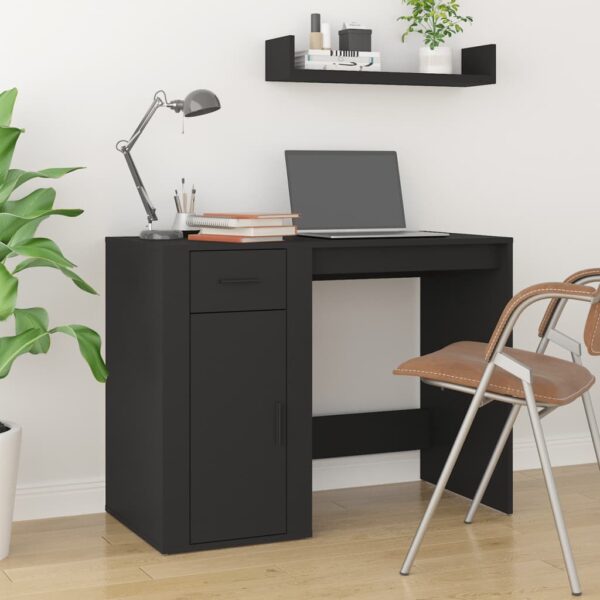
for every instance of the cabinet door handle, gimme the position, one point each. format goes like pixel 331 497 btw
pixel 239 280
pixel 278 423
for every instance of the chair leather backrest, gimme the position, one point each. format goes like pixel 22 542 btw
pixel 541 290
pixel 591 334
pixel 574 278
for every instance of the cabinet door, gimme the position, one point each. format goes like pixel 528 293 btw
pixel 238 389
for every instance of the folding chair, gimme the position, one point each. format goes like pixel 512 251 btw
pixel 542 383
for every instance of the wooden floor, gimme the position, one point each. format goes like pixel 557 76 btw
pixel 359 543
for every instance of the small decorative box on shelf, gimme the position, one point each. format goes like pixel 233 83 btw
pixel 478 68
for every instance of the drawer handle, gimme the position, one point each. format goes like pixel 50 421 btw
pixel 239 280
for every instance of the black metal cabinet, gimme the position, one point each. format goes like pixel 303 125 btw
pixel 237 425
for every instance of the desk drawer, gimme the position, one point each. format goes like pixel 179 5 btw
pixel 223 280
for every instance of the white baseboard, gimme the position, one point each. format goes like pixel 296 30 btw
pixel 379 469
pixel 359 471
pixel 563 450
pixel 84 497
pixel 59 500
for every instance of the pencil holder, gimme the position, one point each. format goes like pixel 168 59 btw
pixel 180 222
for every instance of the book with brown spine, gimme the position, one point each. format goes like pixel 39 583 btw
pixel 255 215
pixel 249 231
pixel 241 228
pixel 229 223
pixel 232 239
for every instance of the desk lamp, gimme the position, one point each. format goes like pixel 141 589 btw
pixel 196 103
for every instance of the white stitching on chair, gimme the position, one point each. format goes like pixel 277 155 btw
pixel 581 274
pixel 420 373
pixel 592 345
pixel 574 278
pixel 518 299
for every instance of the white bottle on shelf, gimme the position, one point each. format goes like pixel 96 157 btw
pixel 326 32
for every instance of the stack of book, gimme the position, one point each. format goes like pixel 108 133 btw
pixel 241 228
pixel 338 60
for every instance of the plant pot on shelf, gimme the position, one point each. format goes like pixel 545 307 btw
pixel 438 60
pixel 10 446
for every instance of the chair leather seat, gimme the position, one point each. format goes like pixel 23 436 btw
pixel 555 381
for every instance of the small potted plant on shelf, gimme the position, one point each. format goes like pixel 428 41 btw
pixel 21 249
pixel 436 21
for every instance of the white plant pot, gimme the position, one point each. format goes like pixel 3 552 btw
pixel 10 446
pixel 435 61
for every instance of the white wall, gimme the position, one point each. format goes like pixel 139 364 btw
pixel 518 158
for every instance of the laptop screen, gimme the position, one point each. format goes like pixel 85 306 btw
pixel 345 190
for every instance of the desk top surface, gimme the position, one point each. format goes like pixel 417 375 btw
pixel 323 243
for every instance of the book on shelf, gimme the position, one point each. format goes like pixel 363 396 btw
pixel 232 239
pixel 231 222
pixel 338 60
pixel 339 67
pixel 338 53
pixel 249 231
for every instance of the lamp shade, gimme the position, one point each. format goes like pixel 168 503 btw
pixel 200 102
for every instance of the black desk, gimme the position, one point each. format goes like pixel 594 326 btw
pixel 209 426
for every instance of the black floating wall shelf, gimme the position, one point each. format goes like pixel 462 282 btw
pixel 478 68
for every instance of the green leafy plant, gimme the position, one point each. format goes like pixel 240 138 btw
pixel 434 19
pixel 20 249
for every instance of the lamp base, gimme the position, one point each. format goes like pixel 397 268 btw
pixel 161 234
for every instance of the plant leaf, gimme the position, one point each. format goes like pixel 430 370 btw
pixel 7 102
pixel 9 286
pixel 434 19
pixel 13 346
pixel 17 177
pixel 39 200
pixel 4 251
pixel 26 232
pixel 8 141
pixel 42 248
pixel 28 263
pixel 10 224
pixel 89 346
pixel 33 318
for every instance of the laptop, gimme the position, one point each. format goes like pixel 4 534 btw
pixel 347 194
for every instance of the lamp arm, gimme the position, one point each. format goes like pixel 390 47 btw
pixel 148 206
pixel 157 102
pixel 125 146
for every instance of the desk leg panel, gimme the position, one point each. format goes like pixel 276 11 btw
pixel 454 307
pixel 299 392
pixel 134 459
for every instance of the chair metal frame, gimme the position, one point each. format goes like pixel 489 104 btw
pixel 536 410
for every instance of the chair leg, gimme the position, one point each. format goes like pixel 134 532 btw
pixel 489 471
pixel 561 528
pixel 447 470
pixel 591 418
